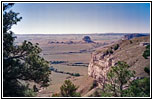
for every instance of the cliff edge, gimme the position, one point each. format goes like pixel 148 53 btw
pixel 130 51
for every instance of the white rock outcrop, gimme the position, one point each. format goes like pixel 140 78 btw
pixel 99 66
pixel 102 60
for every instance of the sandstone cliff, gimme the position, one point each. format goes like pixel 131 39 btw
pixel 129 51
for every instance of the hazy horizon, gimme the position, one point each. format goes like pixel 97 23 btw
pixel 75 33
pixel 82 18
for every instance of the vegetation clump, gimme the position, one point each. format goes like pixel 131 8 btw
pixel 116 46
pixel 20 62
pixel 76 74
pixel 57 62
pixel 143 83
pixel 147 70
pixel 138 88
pixel 146 53
pixel 68 89
pixel 118 77
pixel 109 51
pixel 57 71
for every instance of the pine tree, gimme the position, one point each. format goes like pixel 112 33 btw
pixel 118 76
pixel 20 62
pixel 68 89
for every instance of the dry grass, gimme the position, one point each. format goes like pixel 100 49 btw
pixel 60 52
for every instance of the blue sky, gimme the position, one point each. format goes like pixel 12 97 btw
pixel 61 18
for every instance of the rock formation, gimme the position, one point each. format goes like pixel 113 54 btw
pixel 124 50
pixel 87 39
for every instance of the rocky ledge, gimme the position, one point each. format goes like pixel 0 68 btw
pixel 129 51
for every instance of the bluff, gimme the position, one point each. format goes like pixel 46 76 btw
pixel 87 39
pixel 130 51
pixel 130 36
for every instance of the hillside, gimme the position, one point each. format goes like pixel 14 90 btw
pixel 129 51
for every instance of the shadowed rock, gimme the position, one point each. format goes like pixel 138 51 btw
pixel 87 39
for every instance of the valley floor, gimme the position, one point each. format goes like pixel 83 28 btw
pixel 68 54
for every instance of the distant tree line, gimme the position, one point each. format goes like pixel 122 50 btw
pixel 57 71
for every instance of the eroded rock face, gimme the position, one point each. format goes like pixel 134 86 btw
pixel 99 66
pixel 129 51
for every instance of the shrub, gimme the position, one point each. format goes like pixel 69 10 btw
pixel 111 51
pixel 29 93
pixel 67 72
pixel 116 46
pixel 146 53
pixel 118 76
pixel 76 74
pixel 142 91
pixel 68 89
pixel 147 70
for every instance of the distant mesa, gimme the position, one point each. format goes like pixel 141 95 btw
pixel 130 36
pixel 87 39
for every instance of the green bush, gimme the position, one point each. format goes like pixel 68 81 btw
pixel 68 89
pixel 118 76
pixel 29 93
pixel 138 88
pixel 146 53
pixel 111 51
pixel 67 72
pixel 76 74
pixel 116 46
pixel 147 70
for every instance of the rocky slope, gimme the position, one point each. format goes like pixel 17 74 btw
pixel 129 51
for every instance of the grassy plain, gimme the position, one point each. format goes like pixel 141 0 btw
pixel 71 49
